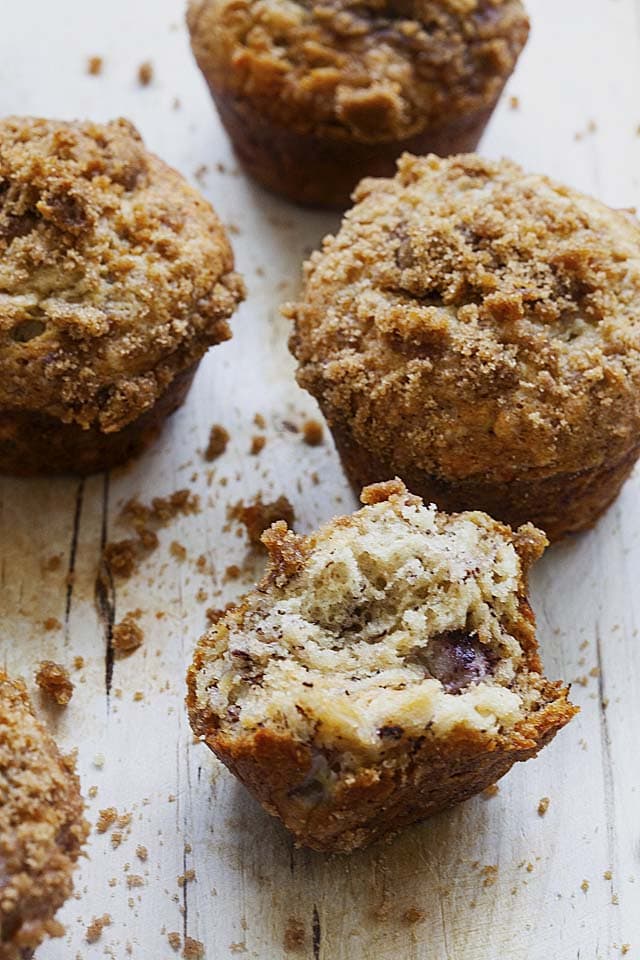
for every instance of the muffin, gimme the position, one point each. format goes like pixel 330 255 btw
pixel 475 330
pixel 115 278
pixel 316 94
pixel 42 827
pixel 385 668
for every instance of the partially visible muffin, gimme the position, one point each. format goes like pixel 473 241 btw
pixel 42 827
pixel 384 669
pixel 115 278
pixel 475 329
pixel 316 94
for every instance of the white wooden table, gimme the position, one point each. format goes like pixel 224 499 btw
pixel 492 880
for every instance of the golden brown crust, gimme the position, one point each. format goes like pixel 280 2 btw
pixel 341 793
pixel 42 827
pixel 374 71
pixel 115 274
pixel 475 328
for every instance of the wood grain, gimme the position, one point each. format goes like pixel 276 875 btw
pixel 493 880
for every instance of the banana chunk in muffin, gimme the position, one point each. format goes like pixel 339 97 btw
pixel 385 668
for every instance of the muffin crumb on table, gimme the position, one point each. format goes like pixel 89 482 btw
pixel 54 681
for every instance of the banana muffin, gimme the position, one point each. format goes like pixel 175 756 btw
pixel 384 669
pixel 316 94
pixel 115 278
pixel 475 330
pixel 42 827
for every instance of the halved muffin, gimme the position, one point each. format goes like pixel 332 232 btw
pixel 384 669
pixel 42 827
pixel 475 329
pixel 115 278
pixel 316 94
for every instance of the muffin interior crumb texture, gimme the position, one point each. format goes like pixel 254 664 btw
pixel 115 274
pixel 41 826
pixel 374 70
pixel 384 624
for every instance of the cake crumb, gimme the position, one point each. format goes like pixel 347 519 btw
pixel 413 915
pixel 177 550
pixel 127 635
pixel 94 66
pixel 52 623
pixel 312 433
pixel 608 875
pixel 543 806
pixel 142 853
pixel 175 940
pixel 258 444
pixel 624 949
pixel 258 516
pixel 193 949
pixel 106 819
pixel 135 880
pixel 294 935
pixel 145 73
pixel 95 928
pixel 514 103
pixel 186 878
pixel 78 663
pixel 584 886
pixel 218 440
pixel 54 681
pixel 260 421
pixel 490 874
pixel 53 563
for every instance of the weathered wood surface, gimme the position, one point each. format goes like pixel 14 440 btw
pixel 493 880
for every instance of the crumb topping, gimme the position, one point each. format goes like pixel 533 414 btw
pixel 115 274
pixel 374 70
pixel 41 826
pixel 477 321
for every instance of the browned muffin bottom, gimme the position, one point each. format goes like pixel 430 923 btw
pixel 475 330
pixel 115 278
pixel 42 827
pixel 384 669
pixel 317 95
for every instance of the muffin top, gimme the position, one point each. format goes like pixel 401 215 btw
pixel 396 618
pixel 374 70
pixel 471 319
pixel 41 826
pixel 115 274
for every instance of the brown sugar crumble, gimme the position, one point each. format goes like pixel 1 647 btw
pixel 258 516
pixel 258 444
pixel 177 550
pixel 312 433
pixel 218 440
pixel 122 557
pixel 106 819
pixel 543 806
pixel 54 681
pixel 127 635
pixel 175 940
pixel 294 935
pixel 94 66
pixel 52 623
pixel 95 928
pixel 145 73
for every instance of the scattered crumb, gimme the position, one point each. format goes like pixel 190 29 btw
pixel 52 623
pixel 121 558
pixel 514 103
pixel 95 928
pixel 200 173
pixel 177 550
pixel 312 433
pixel 127 635
pixel 624 949
pixel 258 516
pixel 175 940
pixel 413 915
pixel 543 806
pixel 490 874
pixel 294 935
pixel 78 663
pixel 218 440
pixel 142 853
pixel 92 793
pixel 54 681
pixel 145 73
pixel 233 572
pixel 584 886
pixel 106 819
pixel 491 791
pixel 193 949
pixel 53 563
pixel 94 66
pixel 135 880
pixel 607 875
pixel 258 444
pixel 186 878
pixel 260 421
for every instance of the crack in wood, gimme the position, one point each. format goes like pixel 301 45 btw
pixel 105 594
pixel 316 933
pixel 73 549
